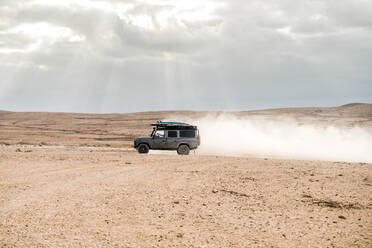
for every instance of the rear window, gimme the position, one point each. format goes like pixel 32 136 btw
pixel 187 134
pixel 172 134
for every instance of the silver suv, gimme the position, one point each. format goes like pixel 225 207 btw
pixel 178 136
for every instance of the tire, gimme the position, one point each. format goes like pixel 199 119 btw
pixel 183 150
pixel 143 148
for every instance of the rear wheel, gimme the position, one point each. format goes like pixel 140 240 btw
pixel 143 148
pixel 183 150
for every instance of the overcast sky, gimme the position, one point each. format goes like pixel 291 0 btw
pixel 133 55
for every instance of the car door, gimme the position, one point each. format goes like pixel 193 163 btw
pixel 172 138
pixel 188 137
pixel 159 140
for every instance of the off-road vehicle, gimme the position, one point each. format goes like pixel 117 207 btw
pixel 178 136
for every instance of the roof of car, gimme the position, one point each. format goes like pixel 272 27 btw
pixel 173 125
pixel 169 123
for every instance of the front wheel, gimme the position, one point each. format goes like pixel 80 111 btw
pixel 183 150
pixel 143 148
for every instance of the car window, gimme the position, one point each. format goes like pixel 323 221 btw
pixel 187 134
pixel 159 134
pixel 172 134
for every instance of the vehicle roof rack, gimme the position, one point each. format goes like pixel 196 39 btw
pixel 173 125
pixel 169 123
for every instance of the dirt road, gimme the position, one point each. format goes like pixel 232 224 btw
pixel 104 197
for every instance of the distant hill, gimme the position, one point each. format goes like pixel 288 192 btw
pixel 353 104
pixel 119 130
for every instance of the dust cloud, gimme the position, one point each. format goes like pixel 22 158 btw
pixel 284 138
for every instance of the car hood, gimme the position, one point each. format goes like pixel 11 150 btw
pixel 143 138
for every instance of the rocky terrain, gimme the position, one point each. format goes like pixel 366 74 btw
pixel 73 180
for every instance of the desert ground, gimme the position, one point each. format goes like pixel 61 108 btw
pixel 74 180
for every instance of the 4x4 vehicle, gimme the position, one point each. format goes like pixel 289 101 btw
pixel 178 136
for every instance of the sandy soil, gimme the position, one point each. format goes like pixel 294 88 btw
pixel 76 187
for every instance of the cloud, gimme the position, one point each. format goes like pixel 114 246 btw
pixel 351 14
pixel 192 54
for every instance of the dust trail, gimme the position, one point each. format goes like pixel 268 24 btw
pixel 230 135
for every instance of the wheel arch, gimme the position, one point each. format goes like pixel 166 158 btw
pixel 144 143
pixel 180 144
